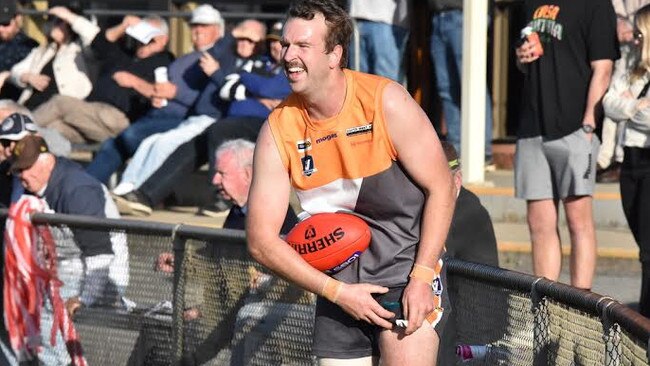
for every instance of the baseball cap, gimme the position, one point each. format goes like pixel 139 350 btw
pixel 206 14
pixel 143 32
pixel 16 126
pixel 7 11
pixel 275 34
pixel 26 152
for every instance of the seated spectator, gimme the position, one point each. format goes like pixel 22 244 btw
pixel 14 46
pixel 186 81
pixel 121 93
pixel 470 238
pixel 234 170
pixel 479 244
pixel 154 150
pixel 59 67
pixel 94 266
pixel 16 124
pixel 263 89
pixel 57 144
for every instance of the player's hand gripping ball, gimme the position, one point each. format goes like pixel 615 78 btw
pixel 329 242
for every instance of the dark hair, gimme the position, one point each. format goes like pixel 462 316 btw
pixel 339 24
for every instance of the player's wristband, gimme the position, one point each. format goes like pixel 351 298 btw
pixel 423 273
pixel 331 289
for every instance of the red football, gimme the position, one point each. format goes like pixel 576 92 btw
pixel 330 241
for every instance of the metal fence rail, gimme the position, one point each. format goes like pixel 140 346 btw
pixel 219 307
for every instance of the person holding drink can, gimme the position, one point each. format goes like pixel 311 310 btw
pixel 567 56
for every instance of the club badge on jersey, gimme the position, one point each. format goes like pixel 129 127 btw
pixel 308 167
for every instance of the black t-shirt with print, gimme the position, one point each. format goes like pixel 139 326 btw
pixel 573 33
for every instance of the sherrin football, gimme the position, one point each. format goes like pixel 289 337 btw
pixel 329 242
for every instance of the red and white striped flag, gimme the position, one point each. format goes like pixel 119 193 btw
pixel 29 276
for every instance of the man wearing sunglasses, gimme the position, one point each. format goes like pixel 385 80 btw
pixel 14 46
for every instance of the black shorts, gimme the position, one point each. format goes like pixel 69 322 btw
pixel 338 335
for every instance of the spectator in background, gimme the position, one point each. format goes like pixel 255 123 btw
pixel 479 244
pixel 94 266
pixel 14 46
pixel 610 155
pixel 16 124
pixel 556 151
pixel 234 168
pixel 186 81
pixel 59 67
pixel 253 95
pixel 627 101
pixel 383 31
pixel 156 149
pixel 447 56
pixel 471 238
pixel 123 88
pixel 233 175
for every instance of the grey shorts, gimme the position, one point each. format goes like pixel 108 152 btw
pixel 556 169
pixel 338 335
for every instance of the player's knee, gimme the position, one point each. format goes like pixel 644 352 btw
pixel 363 361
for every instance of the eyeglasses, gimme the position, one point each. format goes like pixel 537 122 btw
pixel 245 39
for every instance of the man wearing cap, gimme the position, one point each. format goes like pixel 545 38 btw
pixel 14 46
pixel 122 91
pixel 16 124
pixel 155 149
pixel 253 95
pixel 186 81
pixel 471 238
pixel 94 264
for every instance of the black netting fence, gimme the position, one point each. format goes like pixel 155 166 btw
pixel 195 297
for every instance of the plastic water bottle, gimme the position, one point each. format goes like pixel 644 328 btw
pixel 466 352
pixel 160 75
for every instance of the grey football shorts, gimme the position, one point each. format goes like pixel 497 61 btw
pixel 338 335
pixel 556 169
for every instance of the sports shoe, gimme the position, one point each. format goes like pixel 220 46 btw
pixel 216 209
pixel 132 203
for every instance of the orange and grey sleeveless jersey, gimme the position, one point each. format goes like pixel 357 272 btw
pixel 348 163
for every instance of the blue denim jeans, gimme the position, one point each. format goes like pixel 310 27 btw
pixel 447 55
pixel 115 151
pixel 381 49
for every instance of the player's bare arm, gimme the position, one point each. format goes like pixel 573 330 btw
pixel 267 203
pixel 419 151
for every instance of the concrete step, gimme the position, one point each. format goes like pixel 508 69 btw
pixel 497 195
pixel 612 243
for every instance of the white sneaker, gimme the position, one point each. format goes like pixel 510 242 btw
pixel 123 188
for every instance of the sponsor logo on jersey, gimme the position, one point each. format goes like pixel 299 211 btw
pixel 359 130
pixel 320 243
pixel 331 136
pixel 346 263
pixel 303 145
pixel 308 167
